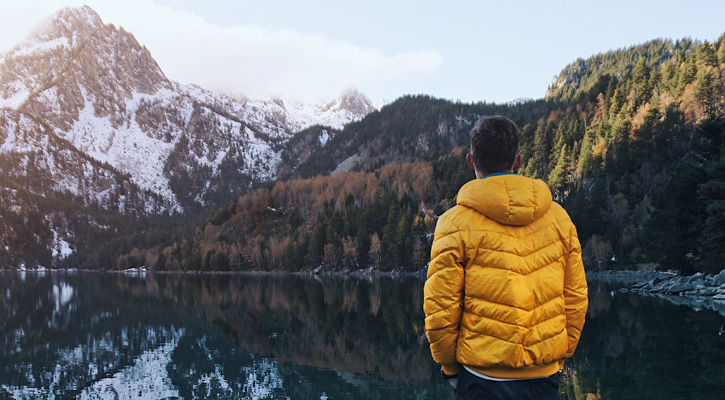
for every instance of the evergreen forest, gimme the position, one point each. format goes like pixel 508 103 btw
pixel 631 142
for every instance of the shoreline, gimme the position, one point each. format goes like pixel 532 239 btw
pixel 627 276
pixel 699 291
pixel 363 273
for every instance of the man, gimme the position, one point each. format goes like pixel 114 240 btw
pixel 506 294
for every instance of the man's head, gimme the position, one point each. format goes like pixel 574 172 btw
pixel 494 146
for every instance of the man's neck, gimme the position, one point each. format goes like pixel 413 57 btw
pixel 482 175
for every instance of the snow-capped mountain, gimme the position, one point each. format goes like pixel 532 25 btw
pixel 351 105
pixel 92 111
pixel 94 135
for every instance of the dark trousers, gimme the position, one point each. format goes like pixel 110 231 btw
pixel 471 387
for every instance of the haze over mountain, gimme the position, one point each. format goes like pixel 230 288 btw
pixel 94 87
pixel 87 115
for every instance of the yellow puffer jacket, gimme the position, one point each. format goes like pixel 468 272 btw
pixel 506 293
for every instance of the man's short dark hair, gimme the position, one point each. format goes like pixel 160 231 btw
pixel 494 144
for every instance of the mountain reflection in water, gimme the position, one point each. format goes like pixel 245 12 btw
pixel 104 335
pixel 95 335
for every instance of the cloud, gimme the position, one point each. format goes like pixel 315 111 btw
pixel 253 60
pixel 258 62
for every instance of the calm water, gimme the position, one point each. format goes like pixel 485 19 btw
pixel 93 335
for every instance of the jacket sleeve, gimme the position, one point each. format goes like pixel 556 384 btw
pixel 575 292
pixel 443 294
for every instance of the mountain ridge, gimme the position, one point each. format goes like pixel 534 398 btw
pixel 101 90
pixel 87 115
pixel 582 74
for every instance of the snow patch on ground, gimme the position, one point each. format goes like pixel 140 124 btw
pixel 324 137
pixel 259 158
pixel 61 248
pixel 16 99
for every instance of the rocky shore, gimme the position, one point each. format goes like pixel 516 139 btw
pixel 627 277
pixel 698 291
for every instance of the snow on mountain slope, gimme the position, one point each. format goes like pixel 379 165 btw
pixel 94 86
pixel 350 106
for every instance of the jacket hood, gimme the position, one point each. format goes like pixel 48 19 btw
pixel 507 199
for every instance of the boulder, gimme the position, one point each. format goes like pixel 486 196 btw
pixel 657 288
pixel 697 279
pixel 719 278
pixel 639 285
pixel 678 287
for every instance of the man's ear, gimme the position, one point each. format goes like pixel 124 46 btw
pixel 517 163
pixel 469 161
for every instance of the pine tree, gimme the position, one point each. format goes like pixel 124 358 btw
pixel 588 163
pixel 687 74
pixel 640 73
pixel 642 85
pixel 667 75
pixel 375 254
pixel 712 193
pixel 559 174
pixel 706 55
pixel 708 92
pixel 316 246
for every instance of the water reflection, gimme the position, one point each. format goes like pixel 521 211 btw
pixel 93 335
pixel 636 347
pixel 189 336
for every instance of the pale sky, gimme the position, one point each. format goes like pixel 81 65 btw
pixel 465 50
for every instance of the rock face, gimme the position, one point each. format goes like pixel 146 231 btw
pixel 95 89
pixel 90 125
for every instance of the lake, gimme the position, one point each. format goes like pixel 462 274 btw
pixel 110 335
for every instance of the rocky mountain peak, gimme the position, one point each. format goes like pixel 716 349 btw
pixel 356 102
pixel 87 114
pixel 75 59
pixel 92 86
pixel 66 29
pixel 77 19
pixel 352 102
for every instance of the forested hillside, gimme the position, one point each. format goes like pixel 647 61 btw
pixel 349 221
pixel 636 157
pixel 413 128
pixel 582 75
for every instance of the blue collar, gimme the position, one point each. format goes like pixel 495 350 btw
pixel 497 174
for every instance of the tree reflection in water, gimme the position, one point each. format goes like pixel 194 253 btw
pixel 638 347
pixel 92 335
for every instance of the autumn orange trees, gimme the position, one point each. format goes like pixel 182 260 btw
pixel 348 221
